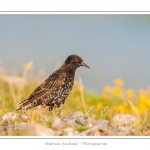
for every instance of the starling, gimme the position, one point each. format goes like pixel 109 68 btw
pixel 55 89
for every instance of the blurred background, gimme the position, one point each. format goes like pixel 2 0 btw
pixel 114 46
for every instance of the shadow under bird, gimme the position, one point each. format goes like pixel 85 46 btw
pixel 55 89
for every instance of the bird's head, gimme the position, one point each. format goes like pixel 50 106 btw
pixel 75 62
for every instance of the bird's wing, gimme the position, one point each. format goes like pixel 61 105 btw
pixel 50 84
pixel 54 81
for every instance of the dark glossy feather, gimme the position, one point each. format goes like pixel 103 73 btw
pixel 55 89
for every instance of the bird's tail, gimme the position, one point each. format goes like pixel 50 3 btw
pixel 24 105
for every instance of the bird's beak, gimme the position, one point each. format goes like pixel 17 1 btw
pixel 84 65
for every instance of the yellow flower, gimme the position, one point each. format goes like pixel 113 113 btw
pixel 1 111
pixel 126 111
pixel 80 88
pixel 104 96
pixel 142 108
pixel 118 82
pixel 131 111
pixel 28 66
pixel 137 123
pixel 148 102
pixel 107 88
pixel 116 91
pixel 130 93
pixel 75 83
pixel 142 97
pixel 120 109
pixel 99 106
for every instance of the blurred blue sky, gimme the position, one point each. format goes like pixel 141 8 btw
pixel 112 45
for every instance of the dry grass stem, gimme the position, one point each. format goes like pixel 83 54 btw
pixel 136 112
pixel 82 95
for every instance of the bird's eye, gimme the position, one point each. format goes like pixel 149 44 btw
pixel 76 62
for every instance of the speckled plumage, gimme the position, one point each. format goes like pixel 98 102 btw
pixel 55 89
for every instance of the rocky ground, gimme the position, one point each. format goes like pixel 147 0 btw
pixel 76 124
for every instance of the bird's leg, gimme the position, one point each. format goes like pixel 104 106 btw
pixel 50 110
pixel 59 111
pixel 43 109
